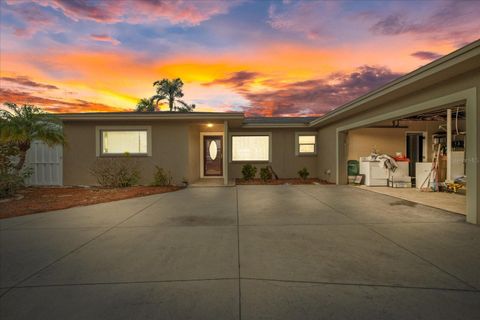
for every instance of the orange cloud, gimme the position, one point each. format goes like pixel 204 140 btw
pixel 54 105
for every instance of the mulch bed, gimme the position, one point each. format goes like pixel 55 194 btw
pixel 40 199
pixel 280 181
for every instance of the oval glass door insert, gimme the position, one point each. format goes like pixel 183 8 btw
pixel 212 150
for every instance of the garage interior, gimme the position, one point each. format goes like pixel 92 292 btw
pixel 418 158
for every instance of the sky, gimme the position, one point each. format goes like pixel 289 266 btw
pixel 264 58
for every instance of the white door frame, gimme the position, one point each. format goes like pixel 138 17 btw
pixel 202 159
pixel 425 143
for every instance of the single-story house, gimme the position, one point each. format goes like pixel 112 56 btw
pixel 201 145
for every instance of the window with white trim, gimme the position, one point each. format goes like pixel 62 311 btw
pixel 118 142
pixel 250 147
pixel 306 144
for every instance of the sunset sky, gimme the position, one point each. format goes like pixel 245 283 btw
pixel 269 58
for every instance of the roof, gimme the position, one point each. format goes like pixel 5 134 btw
pixel 166 115
pixel 279 119
pixel 274 122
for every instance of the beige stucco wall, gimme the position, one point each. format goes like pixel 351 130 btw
pixel 360 142
pixel 170 150
pixel 284 161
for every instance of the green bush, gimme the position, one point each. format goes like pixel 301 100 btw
pixel 10 179
pixel 249 172
pixel 303 173
pixel 265 174
pixel 116 172
pixel 162 177
pixel 9 184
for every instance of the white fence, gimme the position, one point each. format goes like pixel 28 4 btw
pixel 46 163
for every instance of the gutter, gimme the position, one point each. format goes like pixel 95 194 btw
pixel 151 116
pixel 276 125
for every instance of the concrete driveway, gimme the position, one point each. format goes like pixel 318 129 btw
pixel 249 252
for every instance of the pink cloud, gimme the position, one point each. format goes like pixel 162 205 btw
pixel 33 19
pixel 176 12
pixel 455 21
pixel 104 38
pixel 308 18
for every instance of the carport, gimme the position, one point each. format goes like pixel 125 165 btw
pixel 451 81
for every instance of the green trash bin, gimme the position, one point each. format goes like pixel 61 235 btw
pixel 353 167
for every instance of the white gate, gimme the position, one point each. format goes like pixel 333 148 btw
pixel 46 163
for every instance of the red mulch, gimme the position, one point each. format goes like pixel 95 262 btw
pixel 40 199
pixel 280 181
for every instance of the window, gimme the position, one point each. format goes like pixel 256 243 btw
pixel 251 148
pixel 119 140
pixel 306 144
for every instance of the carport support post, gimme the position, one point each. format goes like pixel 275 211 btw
pixel 341 167
pixel 449 145
pixel 473 157
pixel 225 152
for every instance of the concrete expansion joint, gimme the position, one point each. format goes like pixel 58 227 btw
pixel 78 248
pixel 369 227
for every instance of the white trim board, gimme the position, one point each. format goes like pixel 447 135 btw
pixel 98 152
pixel 264 133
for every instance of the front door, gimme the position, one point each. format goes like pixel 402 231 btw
pixel 212 156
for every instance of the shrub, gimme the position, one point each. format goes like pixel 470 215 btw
pixel 9 184
pixel 265 174
pixel 249 172
pixel 303 173
pixel 162 177
pixel 116 172
pixel 10 178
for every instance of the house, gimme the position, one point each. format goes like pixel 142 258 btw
pixel 442 94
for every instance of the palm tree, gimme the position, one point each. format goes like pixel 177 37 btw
pixel 21 125
pixel 172 91
pixel 145 105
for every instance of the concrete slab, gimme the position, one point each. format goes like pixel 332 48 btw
pixel 191 207
pixel 339 254
pixel 23 252
pixel 8 223
pixel 280 300
pixel 147 254
pixel 283 205
pixel 368 207
pixel 98 215
pixel 452 246
pixel 454 202
pixel 180 300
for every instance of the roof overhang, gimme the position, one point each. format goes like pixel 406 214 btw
pixel 275 125
pixel 113 116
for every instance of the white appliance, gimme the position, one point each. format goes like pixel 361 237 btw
pixel 402 169
pixel 458 164
pixel 422 170
pixel 375 174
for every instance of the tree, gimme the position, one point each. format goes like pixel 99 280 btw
pixel 21 125
pixel 171 91
pixel 145 105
